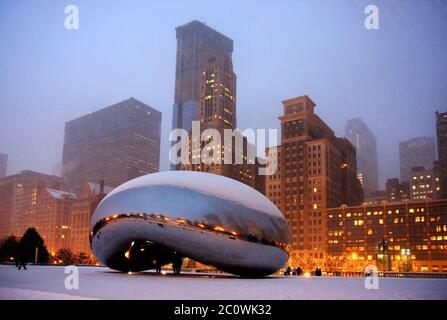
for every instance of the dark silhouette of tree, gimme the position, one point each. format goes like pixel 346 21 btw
pixel 27 247
pixel 83 258
pixel 9 249
pixel 65 256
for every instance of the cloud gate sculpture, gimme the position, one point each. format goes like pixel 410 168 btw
pixel 152 220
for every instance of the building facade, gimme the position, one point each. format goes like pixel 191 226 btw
pixel 315 169
pixel 397 191
pixel 114 144
pixel 81 212
pixel 416 152
pixel 441 165
pixel 3 165
pixel 424 184
pixel 18 200
pixel 195 43
pixel 364 141
pixel 413 230
pixel 53 208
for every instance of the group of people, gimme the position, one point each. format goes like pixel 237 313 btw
pixel 297 271
pixel 176 265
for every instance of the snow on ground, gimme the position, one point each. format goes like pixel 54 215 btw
pixel 47 282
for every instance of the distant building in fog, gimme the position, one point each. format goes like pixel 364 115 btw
pixel 3 164
pixel 19 200
pixel 441 165
pixel 416 152
pixel 114 144
pixel 397 191
pixel 376 197
pixel 365 144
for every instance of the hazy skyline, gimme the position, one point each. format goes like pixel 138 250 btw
pixel 393 78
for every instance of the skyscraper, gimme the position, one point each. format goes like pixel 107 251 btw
pixel 441 166
pixel 114 144
pixel 218 112
pixel 3 164
pixel 316 170
pixel 365 143
pixel 416 152
pixel 196 44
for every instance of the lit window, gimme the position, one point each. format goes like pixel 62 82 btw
pixel 380 221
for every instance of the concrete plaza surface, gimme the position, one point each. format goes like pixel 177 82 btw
pixel 48 282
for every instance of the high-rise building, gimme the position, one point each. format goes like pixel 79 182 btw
pixel 18 200
pixel 80 214
pixel 416 152
pixel 196 42
pixel 365 144
pixel 3 164
pixel 315 170
pixel 414 231
pixel 423 184
pixel 114 144
pixel 397 191
pixel 53 207
pixel 441 165
pixel 217 97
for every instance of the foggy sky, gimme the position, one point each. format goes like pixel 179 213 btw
pixel 394 78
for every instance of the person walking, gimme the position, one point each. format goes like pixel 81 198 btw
pixel 22 262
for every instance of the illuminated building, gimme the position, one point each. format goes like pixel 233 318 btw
pixel 423 184
pixel 358 133
pixel 151 220
pixel 3 164
pixel 418 227
pixel 441 165
pixel 416 152
pixel 218 112
pixel 114 144
pixel 53 207
pixel 18 200
pixel 81 212
pixel 196 42
pixel 316 170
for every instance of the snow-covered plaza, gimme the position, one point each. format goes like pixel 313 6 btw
pixel 49 282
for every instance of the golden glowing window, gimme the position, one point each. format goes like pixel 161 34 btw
pixel 380 221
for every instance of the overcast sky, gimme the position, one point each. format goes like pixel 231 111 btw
pixel 394 77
